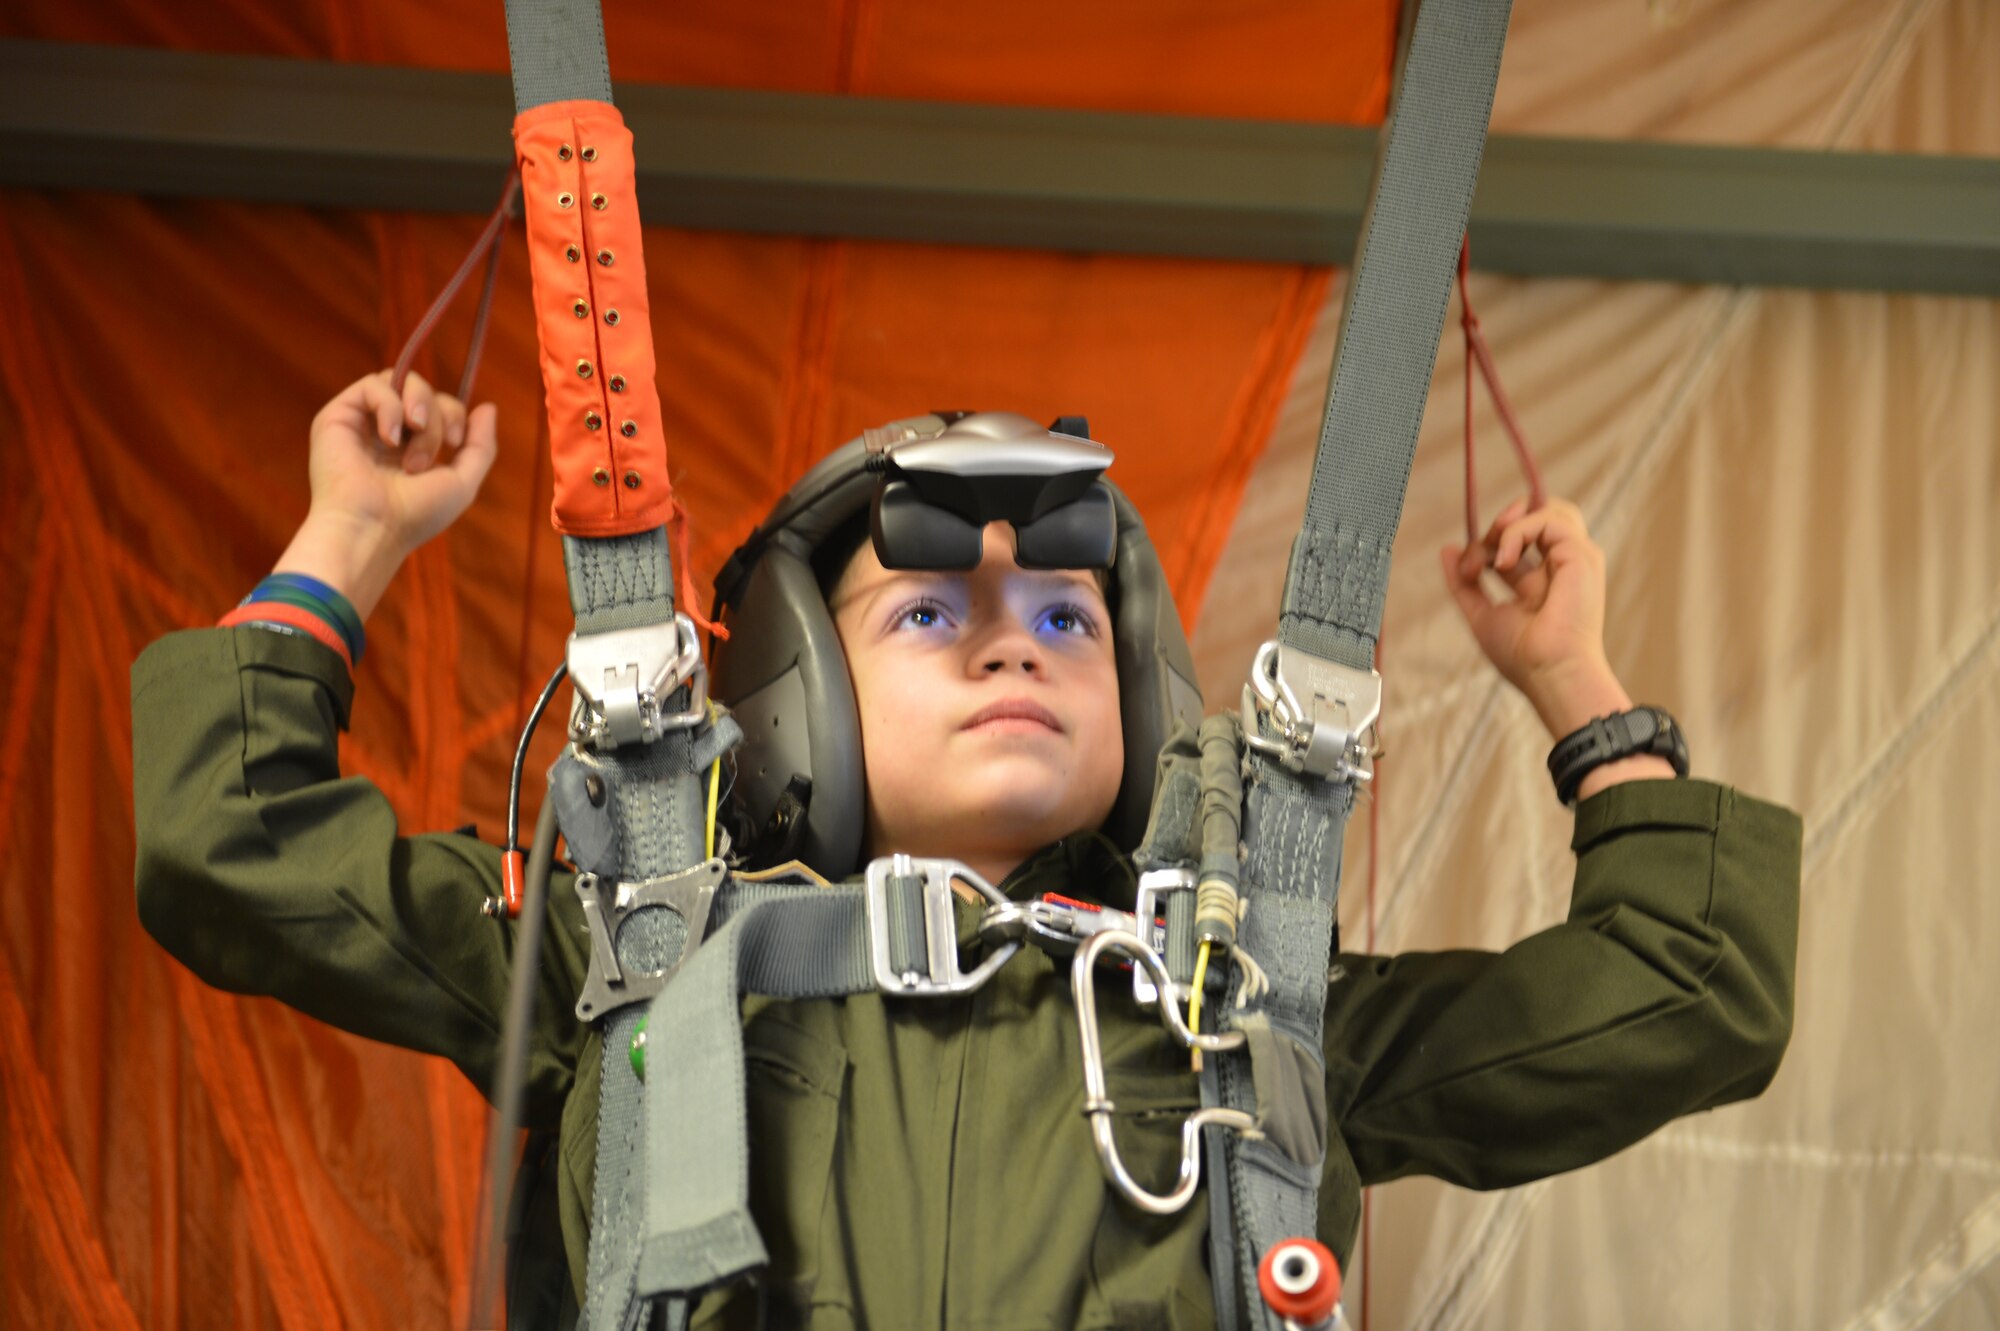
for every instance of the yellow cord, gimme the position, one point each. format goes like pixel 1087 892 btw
pixel 1194 995
pixel 714 791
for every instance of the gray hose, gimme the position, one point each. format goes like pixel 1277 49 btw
pixel 1221 825
pixel 508 1083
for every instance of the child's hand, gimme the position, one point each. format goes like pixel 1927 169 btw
pixel 1548 638
pixel 382 483
pixel 379 462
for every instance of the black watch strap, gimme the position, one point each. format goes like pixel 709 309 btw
pixel 1643 730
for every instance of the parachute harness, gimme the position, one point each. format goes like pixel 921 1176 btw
pixel 1242 855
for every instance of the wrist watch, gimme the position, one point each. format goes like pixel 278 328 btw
pixel 1643 730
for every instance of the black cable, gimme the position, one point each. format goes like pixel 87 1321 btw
pixel 521 755
pixel 510 1078
pixel 510 1082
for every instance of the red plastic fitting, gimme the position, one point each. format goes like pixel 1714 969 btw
pixel 1300 1282
pixel 513 872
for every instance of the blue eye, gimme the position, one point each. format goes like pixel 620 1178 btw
pixel 1070 619
pixel 920 614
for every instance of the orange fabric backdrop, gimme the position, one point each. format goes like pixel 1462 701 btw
pixel 176 1157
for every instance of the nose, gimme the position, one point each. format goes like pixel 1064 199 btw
pixel 1010 647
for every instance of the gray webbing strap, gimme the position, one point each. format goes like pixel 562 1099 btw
pixel 657 810
pixel 1292 826
pixel 556 48
pixel 619 582
pixel 1396 295
pixel 1394 311
pixel 787 942
pixel 656 805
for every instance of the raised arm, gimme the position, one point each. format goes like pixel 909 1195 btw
pixel 266 871
pixel 1668 989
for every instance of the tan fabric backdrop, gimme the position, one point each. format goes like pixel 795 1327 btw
pixel 1800 498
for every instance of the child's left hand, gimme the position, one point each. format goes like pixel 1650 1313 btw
pixel 1548 638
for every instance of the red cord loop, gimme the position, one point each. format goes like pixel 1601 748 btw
pixel 487 247
pixel 1479 355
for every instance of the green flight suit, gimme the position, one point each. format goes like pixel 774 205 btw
pixel 927 1163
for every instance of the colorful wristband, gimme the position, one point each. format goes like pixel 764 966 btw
pixel 298 591
pixel 343 609
pixel 296 617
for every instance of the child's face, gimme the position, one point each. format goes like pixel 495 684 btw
pixel 989 705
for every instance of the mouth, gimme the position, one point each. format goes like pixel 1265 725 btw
pixel 1013 714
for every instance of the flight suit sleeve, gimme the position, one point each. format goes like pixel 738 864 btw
pixel 1668 990
pixel 265 871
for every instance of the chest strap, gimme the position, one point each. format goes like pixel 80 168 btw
pixel 895 933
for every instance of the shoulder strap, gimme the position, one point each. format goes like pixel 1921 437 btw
pixel 641 725
pixel 1313 699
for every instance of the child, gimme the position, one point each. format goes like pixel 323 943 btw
pixel 925 1163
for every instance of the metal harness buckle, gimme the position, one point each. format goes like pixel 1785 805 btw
pixel 1097 1104
pixel 1333 737
pixel 1153 885
pixel 624 677
pixel 607 905
pixel 942 975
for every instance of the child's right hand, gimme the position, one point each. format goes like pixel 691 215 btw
pixel 388 473
pixel 380 462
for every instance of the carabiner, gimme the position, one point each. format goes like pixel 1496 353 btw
pixel 1097 1105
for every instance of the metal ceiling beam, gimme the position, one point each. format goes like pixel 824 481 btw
pixel 358 136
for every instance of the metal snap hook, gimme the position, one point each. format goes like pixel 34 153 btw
pixel 1097 1103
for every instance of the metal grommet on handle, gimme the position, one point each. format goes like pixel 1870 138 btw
pixel 573 254
pixel 581 308
pixel 611 317
pixel 631 480
pixel 628 428
pixel 601 477
pixel 592 421
pixel 599 202
pixel 589 153
pixel 617 383
pixel 584 369
pixel 563 153
pixel 565 199
pixel 605 258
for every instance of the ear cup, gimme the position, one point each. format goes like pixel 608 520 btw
pixel 783 674
pixel 1156 678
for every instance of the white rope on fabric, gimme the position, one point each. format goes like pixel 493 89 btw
pixel 1966 1249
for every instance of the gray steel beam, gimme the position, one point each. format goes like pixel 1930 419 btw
pixel 358 136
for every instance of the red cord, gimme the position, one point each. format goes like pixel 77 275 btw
pixel 1479 355
pixel 487 247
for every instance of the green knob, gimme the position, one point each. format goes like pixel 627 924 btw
pixel 639 1050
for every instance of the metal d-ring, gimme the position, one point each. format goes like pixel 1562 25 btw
pixel 1097 1105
